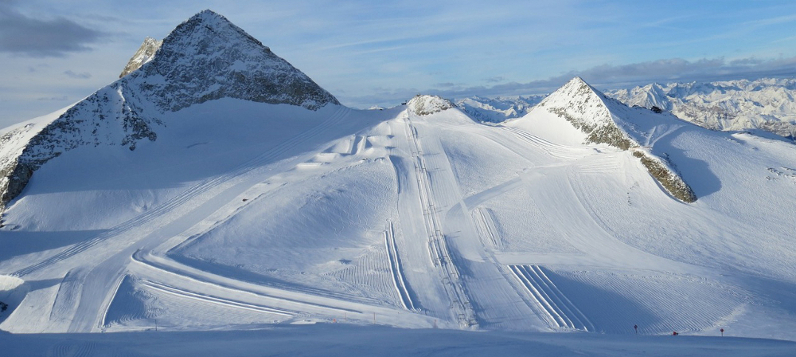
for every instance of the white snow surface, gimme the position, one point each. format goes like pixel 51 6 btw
pixel 346 340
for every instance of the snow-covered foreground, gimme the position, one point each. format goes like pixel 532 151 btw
pixel 243 214
pixel 342 340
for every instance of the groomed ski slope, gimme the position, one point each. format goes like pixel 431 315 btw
pixel 246 214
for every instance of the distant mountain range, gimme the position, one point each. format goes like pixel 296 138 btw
pixel 767 104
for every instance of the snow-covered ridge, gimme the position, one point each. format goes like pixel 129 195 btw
pixel 607 121
pixel 204 58
pixel 768 104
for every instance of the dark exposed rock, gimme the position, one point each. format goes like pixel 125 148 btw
pixel 667 177
pixel 15 177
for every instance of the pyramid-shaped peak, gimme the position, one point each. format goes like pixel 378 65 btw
pixel 577 93
pixel 209 15
pixel 576 88
pixel 577 81
pixel 208 25
pixel 212 58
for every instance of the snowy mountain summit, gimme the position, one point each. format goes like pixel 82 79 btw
pixel 603 120
pixel 205 58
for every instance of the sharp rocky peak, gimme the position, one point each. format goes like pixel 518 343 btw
pixel 208 57
pixel 204 58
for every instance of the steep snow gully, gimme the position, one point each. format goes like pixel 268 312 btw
pixel 244 214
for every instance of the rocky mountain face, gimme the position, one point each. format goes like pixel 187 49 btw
pixel 144 54
pixel 204 58
pixel 607 121
pixel 768 104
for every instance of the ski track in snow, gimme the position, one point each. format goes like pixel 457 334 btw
pixel 560 312
pixel 215 300
pixel 189 194
pixel 395 268
pixel 87 315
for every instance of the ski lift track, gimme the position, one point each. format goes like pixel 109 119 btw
pixel 437 246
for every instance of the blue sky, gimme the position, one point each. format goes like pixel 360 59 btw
pixel 54 53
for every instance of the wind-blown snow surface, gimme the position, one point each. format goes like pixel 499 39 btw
pixel 243 214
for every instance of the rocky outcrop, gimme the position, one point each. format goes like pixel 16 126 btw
pixel 428 104
pixel 661 169
pixel 13 178
pixel 142 56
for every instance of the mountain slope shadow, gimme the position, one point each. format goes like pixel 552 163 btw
pixel 608 311
pixel 695 172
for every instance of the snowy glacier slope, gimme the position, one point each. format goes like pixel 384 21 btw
pixel 244 214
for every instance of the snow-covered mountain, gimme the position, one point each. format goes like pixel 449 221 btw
pixel 205 58
pixel 252 198
pixel 605 121
pixel 768 104
pixel 496 110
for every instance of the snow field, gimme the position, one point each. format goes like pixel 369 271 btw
pixel 392 218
